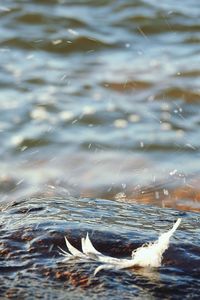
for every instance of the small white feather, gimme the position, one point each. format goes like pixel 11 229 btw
pixel 75 252
pixel 89 246
pixel 148 255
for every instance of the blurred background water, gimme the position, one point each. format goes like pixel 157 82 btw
pixel 101 98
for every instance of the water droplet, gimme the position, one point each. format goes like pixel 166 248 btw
pixel 66 115
pixel 141 144
pixel 166 126
pixel 56 42
pixel 39 113
pixel 88 110
pixel 120 123
pixel 73 32
pixel 173 172
pixel 134 118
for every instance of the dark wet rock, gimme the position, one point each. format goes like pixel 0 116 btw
pixel 32 267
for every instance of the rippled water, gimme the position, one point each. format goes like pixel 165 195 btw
pixel 99 95
pixel 32 230
pixel 99 99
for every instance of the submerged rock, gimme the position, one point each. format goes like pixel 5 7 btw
pixel 32 230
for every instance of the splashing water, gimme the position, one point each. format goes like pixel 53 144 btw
pixel 148 255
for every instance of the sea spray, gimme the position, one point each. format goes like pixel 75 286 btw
pixel 148 255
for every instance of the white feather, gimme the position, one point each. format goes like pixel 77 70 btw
pixel 149 255
pixel 90 248
pixel 75 252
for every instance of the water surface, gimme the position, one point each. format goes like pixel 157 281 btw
pixel 98 95
pixel 32 268
pixel 99 99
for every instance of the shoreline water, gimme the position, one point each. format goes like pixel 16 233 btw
pixel 99 100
